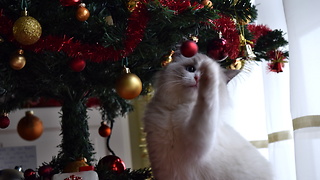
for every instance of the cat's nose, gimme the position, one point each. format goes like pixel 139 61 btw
pixel 196 78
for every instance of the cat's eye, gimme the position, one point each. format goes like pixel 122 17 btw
pixel 190 68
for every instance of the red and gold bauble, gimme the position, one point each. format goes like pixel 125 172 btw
pixel 77 64
pixel 82 13
pixel 128 85
pixel 104 129
pixel 17 60
pixel 189 48
pixel 216 49
pixel 4 121
pixel 26 30
pixel 75 165
pixel 111 163
pixel 30 127
pixel 69 2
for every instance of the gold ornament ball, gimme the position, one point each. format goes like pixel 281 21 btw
pixel 82 13
pixel 27 30
pixel 128 86
pixel 30 127
pixel 17 60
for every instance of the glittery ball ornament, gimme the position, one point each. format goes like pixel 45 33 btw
pixel 128 85
pixel 27 30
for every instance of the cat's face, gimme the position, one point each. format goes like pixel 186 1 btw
pixel 181 77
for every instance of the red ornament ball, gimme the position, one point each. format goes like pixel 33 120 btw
pixel 77 64
pixel 216 49
pixel 4 121
pixel 104 130
pixel 45 171
pixel 111 163
pixel 29 173
pixel 69 2
pixel 189 48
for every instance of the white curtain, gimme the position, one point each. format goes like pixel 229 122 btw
pixel 290 100
pixel 303 24
pixel 262 101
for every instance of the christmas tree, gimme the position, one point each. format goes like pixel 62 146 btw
pixel 75 53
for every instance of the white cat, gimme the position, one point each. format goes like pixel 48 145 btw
pixel 187 138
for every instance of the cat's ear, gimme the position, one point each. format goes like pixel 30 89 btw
pixel 230 74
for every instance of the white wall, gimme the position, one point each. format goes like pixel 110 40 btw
pixel 46 144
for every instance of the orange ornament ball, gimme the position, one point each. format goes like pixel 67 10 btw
pixel 104 130
pixel 30 127
pixel 17 60
pixel 82 13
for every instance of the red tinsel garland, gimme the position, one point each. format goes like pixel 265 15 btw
pixel 258 31
pixel 227 27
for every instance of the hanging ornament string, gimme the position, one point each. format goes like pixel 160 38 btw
pixel 108 139
pixel 24 5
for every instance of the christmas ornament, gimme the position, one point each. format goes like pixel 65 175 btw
pixel 104 129
pixel 128 85
pixel 277 60
pixel 275 67
pixel 189 48
pixel 236 64
pixel 216 49
pixel 82 13
pixel 69 2
pixel 30 127
pixel 77 64
pixel 167 59
pixel 4 121
pixel 249 52
pixel 30 174
pixel 74 166
pixel 132 4
pixel 10 174
pixel 246 48
pixel 111 163
pixel 45 171
pixel 206 3
pixel 17 60
pixel 26 30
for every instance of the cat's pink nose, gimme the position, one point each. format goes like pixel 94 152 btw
pixel 196 78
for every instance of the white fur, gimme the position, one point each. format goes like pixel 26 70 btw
pixel 187 138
